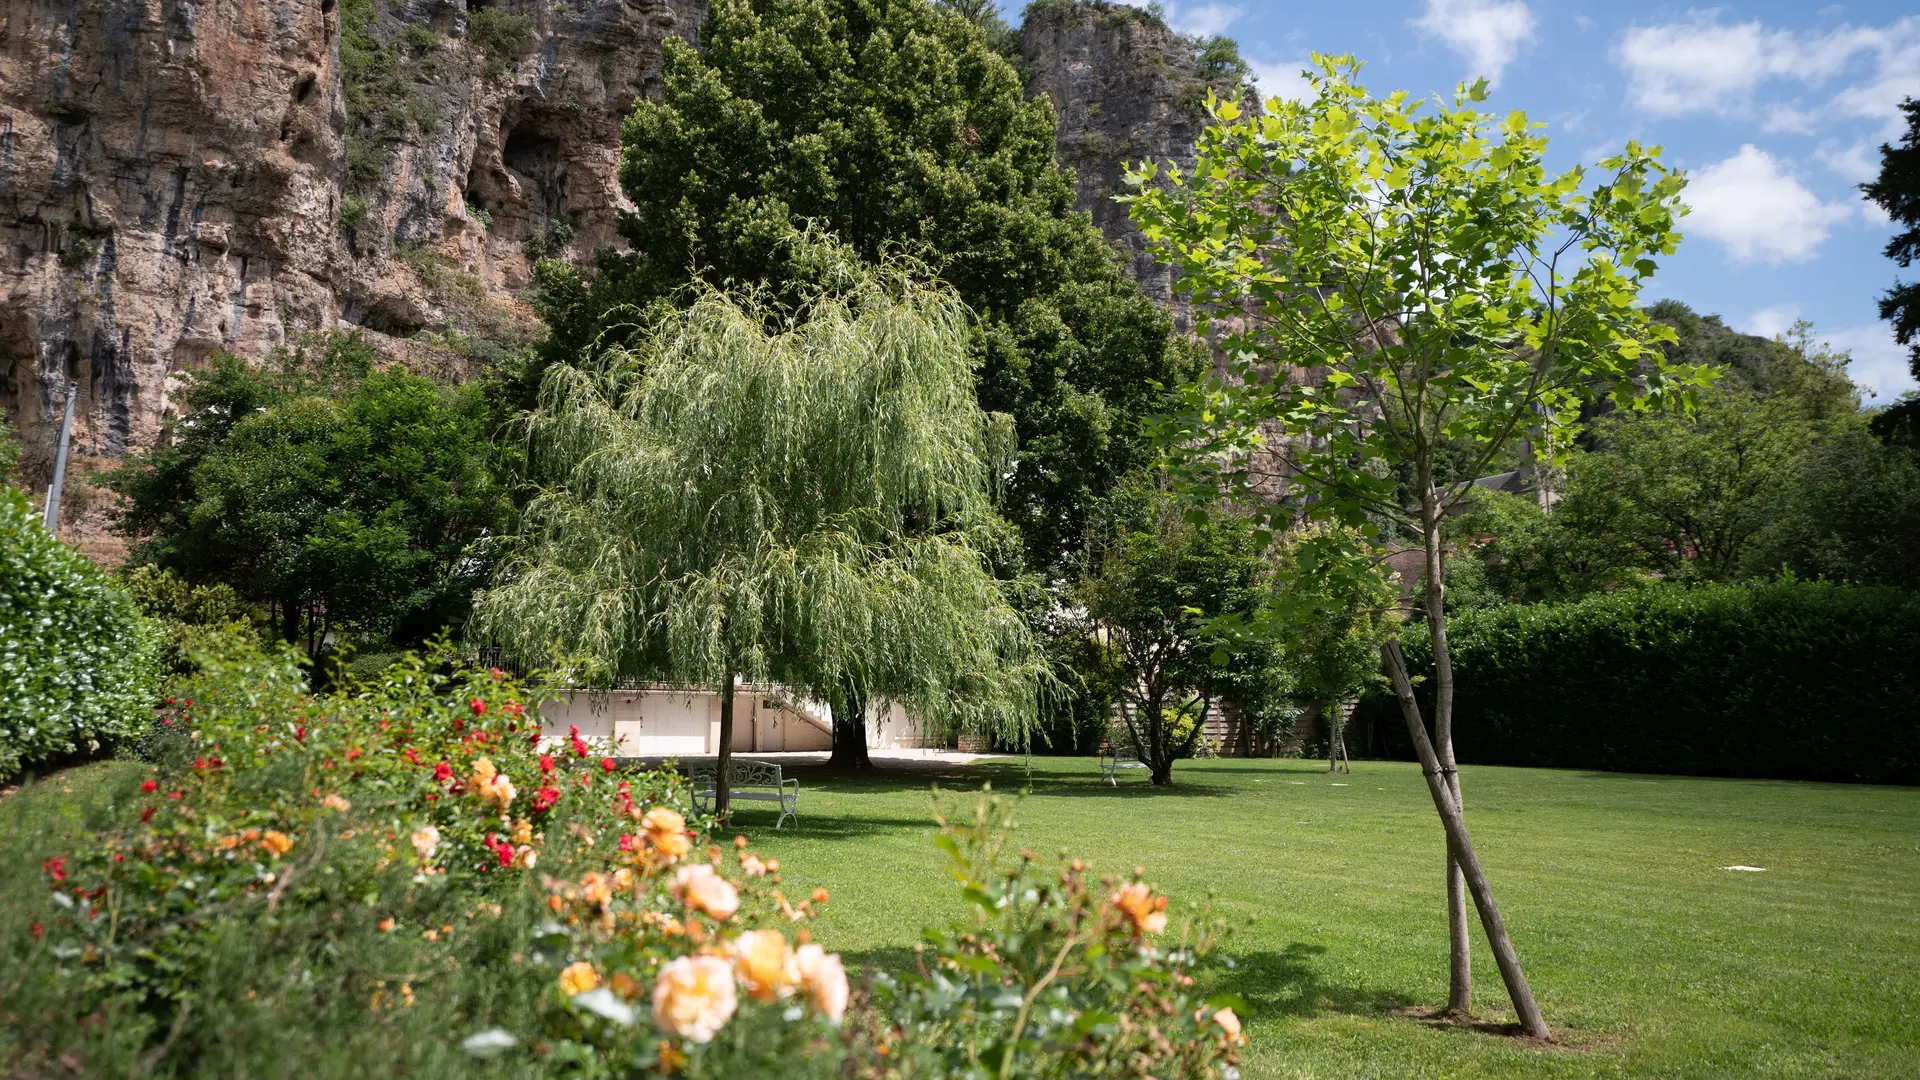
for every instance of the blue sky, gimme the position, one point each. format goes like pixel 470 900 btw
pixel 1775 110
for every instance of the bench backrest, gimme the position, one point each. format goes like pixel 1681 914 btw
pixel 740 773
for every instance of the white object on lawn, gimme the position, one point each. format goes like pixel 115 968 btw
pixel 1748 869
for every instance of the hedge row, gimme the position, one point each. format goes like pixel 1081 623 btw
pixel 77 660
pixel 1787 680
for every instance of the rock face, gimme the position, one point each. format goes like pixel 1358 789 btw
pixel 179 177
pixel 1126 89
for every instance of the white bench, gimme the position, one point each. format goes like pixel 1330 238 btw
pixel 748 781
pixel 1113 759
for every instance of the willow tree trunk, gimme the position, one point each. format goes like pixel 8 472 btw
pixel 722 787
pixel 1460 846
pixel 1459 932
pixel 849 711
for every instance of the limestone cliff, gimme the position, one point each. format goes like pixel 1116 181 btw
pixel 1126 89
pixel 179 177
pixel 184 176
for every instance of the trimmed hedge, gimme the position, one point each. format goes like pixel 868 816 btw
pixel 77 660
pixel 1787 680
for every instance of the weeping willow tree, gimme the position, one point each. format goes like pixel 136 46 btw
pixel 803 504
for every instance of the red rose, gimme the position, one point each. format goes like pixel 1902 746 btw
pixel 149 786
pixel 546 763
pixel 479 707
pixel 606 764
pixel 56 868
pixel 146 815
pixel 443 772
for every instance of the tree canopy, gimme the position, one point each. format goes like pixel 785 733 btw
pixel 1440 285
pixel 336 497
pixel 1160 596
pixel 801 506
pixel 891 124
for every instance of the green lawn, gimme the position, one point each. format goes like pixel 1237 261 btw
pixel 1648 958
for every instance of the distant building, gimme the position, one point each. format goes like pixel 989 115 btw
pixel 664 721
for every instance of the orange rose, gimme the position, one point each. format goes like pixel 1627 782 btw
pixel 666 830
pixel 764 964
pixel 698 887
pixel 825 979
pixel 694 997
pixel 276 841
pixel 1137 902
pixel 578 978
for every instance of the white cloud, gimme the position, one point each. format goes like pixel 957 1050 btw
pixel 1771 322
pixel 1283 80
pixel 1758 210
pixel 1199 20
pixel 1703 65
pixel 1487 32
pixel 1859 162
pixel 1204 20
pixel 1879 362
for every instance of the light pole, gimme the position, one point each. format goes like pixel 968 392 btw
pixel 52 516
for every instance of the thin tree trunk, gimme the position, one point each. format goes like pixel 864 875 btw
pixel 850 733
pixel 722 788
pixel 1459 934
pixel 1461 847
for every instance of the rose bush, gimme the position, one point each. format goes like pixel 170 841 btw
pixel 397 877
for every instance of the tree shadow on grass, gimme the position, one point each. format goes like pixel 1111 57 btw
pixel 1288 983
pixel 895 960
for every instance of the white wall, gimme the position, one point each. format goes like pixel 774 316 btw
pixel 678 723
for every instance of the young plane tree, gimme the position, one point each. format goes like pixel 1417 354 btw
pixel 1384 277
pixel 797 505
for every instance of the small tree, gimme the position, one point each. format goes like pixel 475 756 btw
pixel 1437 284
pixel 1333 630
pixel 1161 600
pixel 794 506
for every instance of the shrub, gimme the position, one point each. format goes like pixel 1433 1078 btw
pixel 1785 679
pixel 393 879
pixel 77 662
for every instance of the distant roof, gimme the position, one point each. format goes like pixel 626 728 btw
pixel 1512 482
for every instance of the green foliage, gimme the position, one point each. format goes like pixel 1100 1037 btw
pixel 338 498
pixel 382 101
pixel 806 507
pixel 501 36
pixel 1897 191
pixel 77 662
pixel 78 254
pixel 1328 215
pixel 353 212
pixel 9 451
pixel 1785 679
pixel 1333 638
pixel 1057 975
pixel 1774 468
pixel 551 241
pixel 351 883
pixel 890 125
pixel 1217 59
pixel 1160 598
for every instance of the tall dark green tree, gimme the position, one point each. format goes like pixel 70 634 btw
pixel 890 124
pixel 1897 191
pixel 336 498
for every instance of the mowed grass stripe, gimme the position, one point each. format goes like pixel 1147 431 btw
pixel 1650 958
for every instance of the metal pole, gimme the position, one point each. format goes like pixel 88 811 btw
pixel 52 516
